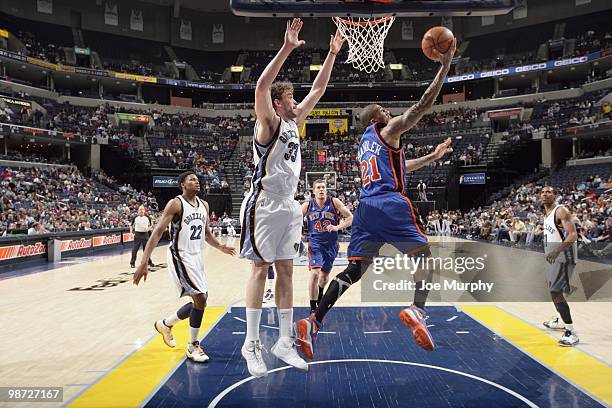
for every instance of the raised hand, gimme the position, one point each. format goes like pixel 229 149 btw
pixel 291 33
pixel 335 42
pixel 442 149
pixel 447 57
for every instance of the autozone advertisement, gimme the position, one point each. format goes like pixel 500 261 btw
pixel 107 240
pixel 14 251
pixel 74 244
pixel 22 251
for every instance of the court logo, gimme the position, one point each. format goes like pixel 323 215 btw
pixel 123 277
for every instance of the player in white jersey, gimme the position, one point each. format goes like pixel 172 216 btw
pixel 188 216
pixel 271 218
pixel 561 249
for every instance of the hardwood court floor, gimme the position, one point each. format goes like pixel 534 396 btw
pixel 70 325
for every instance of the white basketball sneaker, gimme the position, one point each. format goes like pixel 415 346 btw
pixel 285 350
pixel 195 352
pixel 252 353
pixel 166 333
pixel 569 339
pixel 554 324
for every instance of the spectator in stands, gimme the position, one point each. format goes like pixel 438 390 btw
pixel 37 228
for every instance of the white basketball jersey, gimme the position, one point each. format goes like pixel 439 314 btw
pixel 553 236
pixel 278 164
pixel 189 231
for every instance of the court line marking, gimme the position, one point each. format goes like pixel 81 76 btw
pixel 452 318
pixel 238 333
pixel 163 382
pixel 229 389
pixel 272 327
pixel 581 370
pixel 462 332
pixel 378 332
pixel 129 382
pixel 324 332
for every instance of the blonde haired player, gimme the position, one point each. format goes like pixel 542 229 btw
pixel 188 216
pixel 322 214
pixel 271 218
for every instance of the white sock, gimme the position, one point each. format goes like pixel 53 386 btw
pixel 171 320
pixel 193 334
pixel 271 284
pixel 569 327
pixel 253 316
pixel 285 319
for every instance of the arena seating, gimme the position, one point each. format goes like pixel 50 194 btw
pixel 64 200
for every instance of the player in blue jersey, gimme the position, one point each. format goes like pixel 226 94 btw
pixel 385 214
pixel 322 214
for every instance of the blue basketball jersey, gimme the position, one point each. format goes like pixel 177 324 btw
pixel 382 166
pixel 319 218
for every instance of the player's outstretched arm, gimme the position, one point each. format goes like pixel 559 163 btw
pixel 320 83
pixel 212 241
pixel 442 149
pixel 172 208
pixel 263 103
pixel 347 217
pixel 569 227
pixel 400 124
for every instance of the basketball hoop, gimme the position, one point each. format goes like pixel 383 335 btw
pixel 366 39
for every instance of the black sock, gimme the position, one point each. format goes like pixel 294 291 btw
pixel 313 305
pixel 564 311
pixel 321 291
pixel 420 295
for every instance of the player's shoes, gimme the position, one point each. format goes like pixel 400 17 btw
pixel 166 333
pixel 414 319
pixel 194 352
pixel 268 296
pixel 569 339
pixel 554 324
pixel 251 352
pixel 285 350
pixel 307 330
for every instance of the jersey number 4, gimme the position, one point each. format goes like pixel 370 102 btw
pixel 322 227
pixel 369 171
pixel 196 232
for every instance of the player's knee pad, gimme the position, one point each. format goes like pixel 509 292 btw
pixel 557 297
pixel 353 272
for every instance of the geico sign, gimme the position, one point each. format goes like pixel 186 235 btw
pixel 533 67
pixel 570 61
pixel 495 73
pixel 461 78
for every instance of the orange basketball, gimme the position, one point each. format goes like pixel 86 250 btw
pixel 439 38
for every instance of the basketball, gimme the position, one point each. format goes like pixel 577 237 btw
pixel 439 38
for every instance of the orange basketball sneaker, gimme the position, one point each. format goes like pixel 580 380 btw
pixel 307 330
pixel 414 319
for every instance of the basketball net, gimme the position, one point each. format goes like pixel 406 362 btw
pixel 366 39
